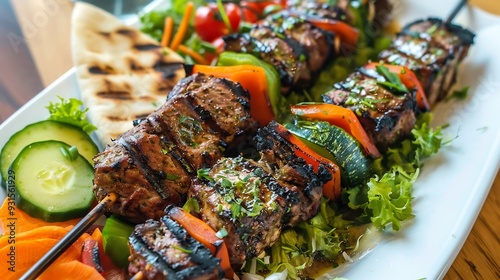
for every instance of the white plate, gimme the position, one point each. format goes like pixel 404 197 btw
pixel 453 184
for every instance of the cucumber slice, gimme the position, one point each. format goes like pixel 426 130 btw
pixel 354 165
pixel 51 182
pixel 42 131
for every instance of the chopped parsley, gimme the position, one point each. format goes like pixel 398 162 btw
pixel 392 80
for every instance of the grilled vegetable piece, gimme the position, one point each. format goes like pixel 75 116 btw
pixel 238 196
pixel 340 117
pixel 164 250
pixel 386 115
pixel 53 181
pixel 354 164
pixel 42 131
pixel 115 234
pixel 151 165
pixel 433 50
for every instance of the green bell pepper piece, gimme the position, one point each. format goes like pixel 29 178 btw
pixel 115 236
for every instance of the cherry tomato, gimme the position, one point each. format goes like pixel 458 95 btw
pixel 251 11
pixel 208 22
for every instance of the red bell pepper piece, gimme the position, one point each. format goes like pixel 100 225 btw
pixel 408 78
pixel 341 117
pixel 348 35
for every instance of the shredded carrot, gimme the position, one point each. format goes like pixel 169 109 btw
pixel 167 32
pixel 179 36
pixel 194 55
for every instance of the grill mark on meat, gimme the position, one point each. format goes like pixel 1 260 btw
pixel 154 178
pixel 432 49
pixel 169 143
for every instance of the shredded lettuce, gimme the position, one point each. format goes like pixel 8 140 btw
pixel 386 198
pixel 69 111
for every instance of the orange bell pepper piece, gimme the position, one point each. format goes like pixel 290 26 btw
pixel 341 117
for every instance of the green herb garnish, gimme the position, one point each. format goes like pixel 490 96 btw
pixel 392 79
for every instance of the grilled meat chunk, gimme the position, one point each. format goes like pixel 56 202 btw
pixel 151 165
pixel 237 194
pixel 317 42
pixel 433 50
pixel 301 187
pixel 285 54
pixel 387 117
pixel 164 250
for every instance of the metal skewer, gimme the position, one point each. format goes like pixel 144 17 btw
pixel 455 11
pixel 70 238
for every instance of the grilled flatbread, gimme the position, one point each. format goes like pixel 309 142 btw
pixel 123 73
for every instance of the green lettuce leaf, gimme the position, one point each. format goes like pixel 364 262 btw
pixel 69 111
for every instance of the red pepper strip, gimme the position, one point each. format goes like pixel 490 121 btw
pixel 348 35
pixel 90 255
pixel 202 232
pixel 331 189
pixel 252 78
pixel 408 78
pixel 341 117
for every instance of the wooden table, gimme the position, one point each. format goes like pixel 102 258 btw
pixel 20 81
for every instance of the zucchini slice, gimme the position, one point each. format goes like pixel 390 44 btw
pixel 354 165
pixel 53 181
pixel 43 131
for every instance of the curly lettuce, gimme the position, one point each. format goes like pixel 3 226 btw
pixel 69 111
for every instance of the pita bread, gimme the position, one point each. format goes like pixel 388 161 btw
pixel 123 73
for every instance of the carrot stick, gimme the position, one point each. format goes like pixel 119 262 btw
pixel 179 36
pixel 167 32
pixel 196 56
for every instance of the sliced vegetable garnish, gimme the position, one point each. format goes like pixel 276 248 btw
pixel 338 116
pixel 253 78
pixel 202 232
pixel 406 77
pixel 331 189
pixel 50 185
